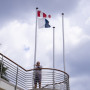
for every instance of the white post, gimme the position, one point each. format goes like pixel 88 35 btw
pixel 63 41
pixel 35 40
pixel 63 45
pixel 35 48
pixel 53 57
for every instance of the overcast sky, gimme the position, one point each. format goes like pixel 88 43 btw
pixel 17 36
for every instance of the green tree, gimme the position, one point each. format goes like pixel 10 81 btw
pixel 3 70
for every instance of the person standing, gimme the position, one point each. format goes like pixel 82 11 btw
pixel 37 73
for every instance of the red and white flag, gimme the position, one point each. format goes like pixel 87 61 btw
pixel 42 15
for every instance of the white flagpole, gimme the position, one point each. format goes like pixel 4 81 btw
pixel 53 47
pixel 35 39
pixel 63 41
pixel 53 56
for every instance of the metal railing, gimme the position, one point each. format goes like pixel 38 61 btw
pixel 24 79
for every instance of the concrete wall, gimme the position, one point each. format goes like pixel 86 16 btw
pixel 4 85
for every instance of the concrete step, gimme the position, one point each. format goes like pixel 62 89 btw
pixel 43 89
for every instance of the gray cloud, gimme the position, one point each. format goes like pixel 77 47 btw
pixel 78 60
pixel 18 9
pixel 58 6
pixel 80 83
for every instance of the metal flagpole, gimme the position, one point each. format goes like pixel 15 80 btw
pixel 35 39
pixel 53 56
pixel 53 47
pixel 63 41
pixel 35 46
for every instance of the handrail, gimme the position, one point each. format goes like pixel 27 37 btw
pixel 25 78
pixel 50 69
pixel 13 62
pixel 31 69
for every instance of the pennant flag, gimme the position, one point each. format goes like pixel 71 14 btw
pixel 43 23
pixel 49 16
pixel 41 14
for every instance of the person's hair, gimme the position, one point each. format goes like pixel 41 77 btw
pixel 37 63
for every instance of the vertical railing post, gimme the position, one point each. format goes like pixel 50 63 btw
pixel 32 80
pixel 16 78
pixel 26 80
pixel 53 80
pixel 68 84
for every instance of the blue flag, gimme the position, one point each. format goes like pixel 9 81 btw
pixel 47 24
pixel 43 23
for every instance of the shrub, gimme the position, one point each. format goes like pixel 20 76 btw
pixel 3 70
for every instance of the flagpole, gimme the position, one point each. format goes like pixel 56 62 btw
pixel 63 41
pixel 35 39
pixel 53 47
pixel 53 56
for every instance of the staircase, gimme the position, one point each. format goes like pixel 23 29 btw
pixel 4 85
